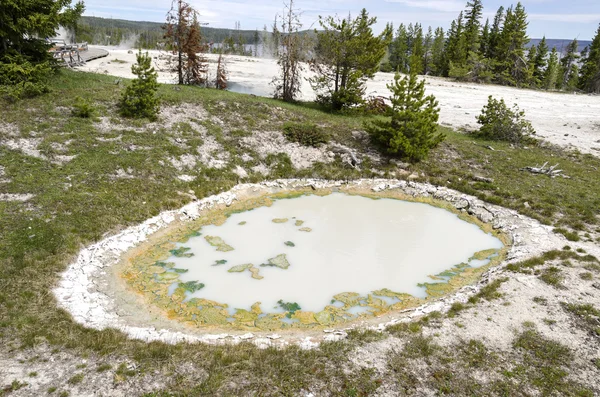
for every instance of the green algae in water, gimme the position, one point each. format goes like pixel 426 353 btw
pixel 220 262
pixel 306 229
pixel 181 252
pixel 280 220
pixel 242 223
pixel 192 286
pixel 299 223
pixel 166 265
pixel 279 261
pixel 240 268
pixel 181 271
pixel 289 307
pixel 255 273
pixel 218 243
pixel 290 244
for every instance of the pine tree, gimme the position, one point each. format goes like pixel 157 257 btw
pixel 418 51
pixel 552 71
pixel 473 15
pixel 25 64
pixel 438 55
pixel 221 79
pixel 511 64
pixel 139 100
pixel 485 39
pixel 540 62
pixel 346 55
pixel 412 130
pixel 182 33
pixel 496 30
pixel 456 46
pixel 531 65
pixel 428 54
pixel 399 50
pixel 590 70
pixel 570 72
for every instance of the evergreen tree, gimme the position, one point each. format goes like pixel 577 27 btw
pixel 590 70
pixel 25 64
pixel 399 50
pixel 473 15
pixel 485 39
pixel 438 56
pixel 511 64
pixel 346 55
pixel 569 68
pixel 531 65
pixel 182 33
pixel 418 52
pixel 427 52
pixel 494 38
pixel 411 132
pixel 456 46
pixel 139 99
pixel 552 71
pixel 541 62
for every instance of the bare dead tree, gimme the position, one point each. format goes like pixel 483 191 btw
pixel 221 80
pixel 184 37
pixel 287 84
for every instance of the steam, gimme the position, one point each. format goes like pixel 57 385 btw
pixel 67 34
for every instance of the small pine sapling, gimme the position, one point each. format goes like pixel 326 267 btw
pixel 501 123
pixel 139 99
pixel 411 132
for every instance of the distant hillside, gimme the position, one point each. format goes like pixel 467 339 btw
pixel 105 31
pixel 560 44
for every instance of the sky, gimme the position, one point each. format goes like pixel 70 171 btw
pixel 556 19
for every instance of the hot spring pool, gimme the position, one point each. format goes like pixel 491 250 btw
pixel 311 260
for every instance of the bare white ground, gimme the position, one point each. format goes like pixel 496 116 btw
pixel 86 292
pixel 567 120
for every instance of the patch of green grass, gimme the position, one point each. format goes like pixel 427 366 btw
pixel 306 134
pixel 587 276
pixel 76 379
pixel 52 389
pixel 571 236
pixel 489 292
pixel 456 308
pixel 553 276
pixel 103 367
pixel 365 336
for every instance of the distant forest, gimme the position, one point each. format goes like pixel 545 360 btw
pixel 148 35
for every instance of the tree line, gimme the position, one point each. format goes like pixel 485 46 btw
pixel 493 52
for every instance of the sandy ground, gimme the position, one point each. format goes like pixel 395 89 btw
pixel 568 120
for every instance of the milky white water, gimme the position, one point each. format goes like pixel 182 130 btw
pixel 357 244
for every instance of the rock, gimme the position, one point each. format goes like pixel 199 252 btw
pixel 399 164
pixel 239 171
pixel 360 135
pixel 596 285
pixel 462 204
pixel 482 179
pixel 413 176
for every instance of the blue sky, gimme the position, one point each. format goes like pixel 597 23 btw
pixel 557 19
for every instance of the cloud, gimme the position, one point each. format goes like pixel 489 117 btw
pixel 571 18
pixel 437 5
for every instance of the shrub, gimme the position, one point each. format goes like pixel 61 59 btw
pixel 19 78
pixel 412 129
pixel 139 99
pixel 83 108
pixel 499 122
pixel 306 134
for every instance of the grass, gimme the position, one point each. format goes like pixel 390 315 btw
pixel 79 202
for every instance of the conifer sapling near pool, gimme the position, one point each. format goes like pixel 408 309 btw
pixel 412 129
pixel 139 99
